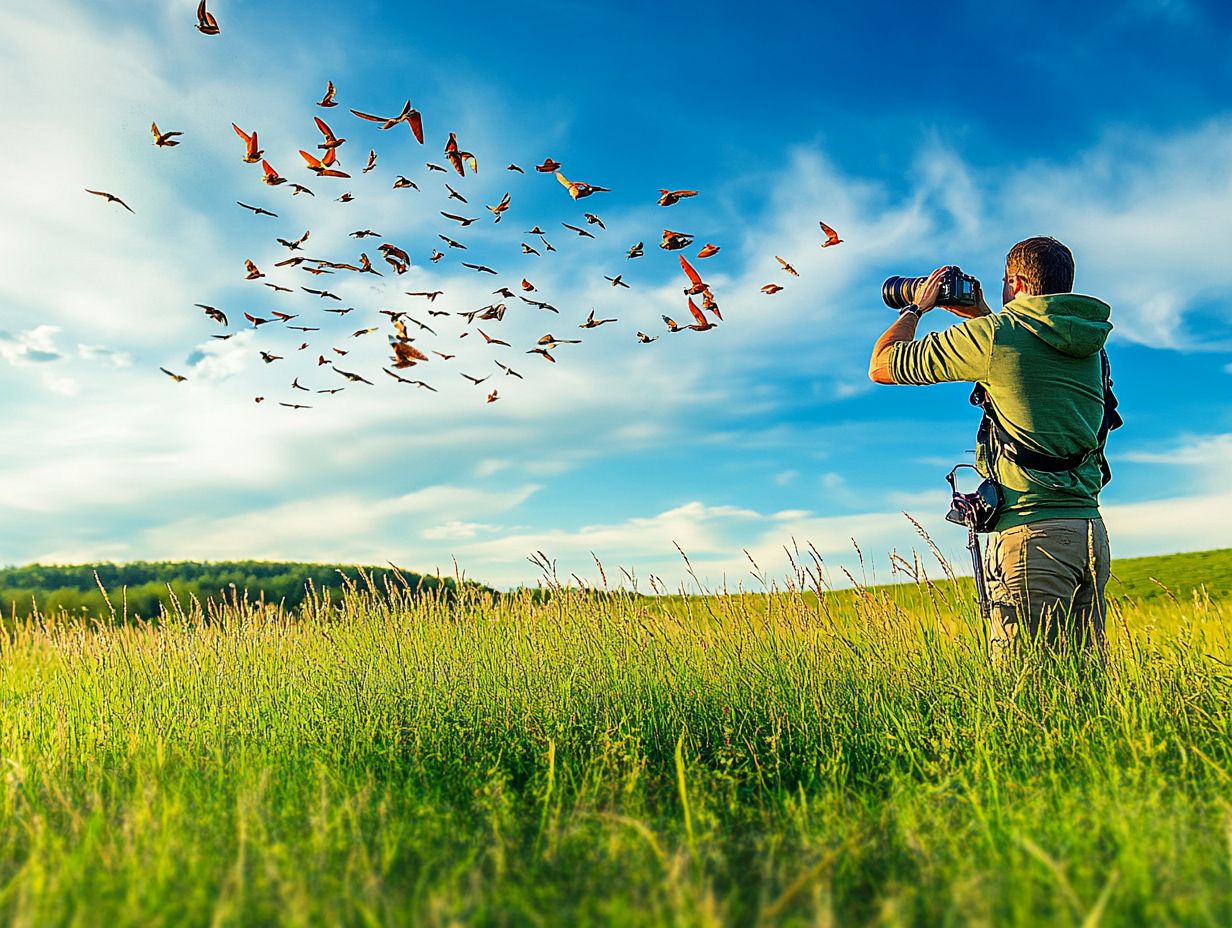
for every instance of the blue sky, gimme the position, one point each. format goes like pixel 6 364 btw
pixel 923 136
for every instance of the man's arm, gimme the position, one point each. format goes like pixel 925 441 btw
pixel 902 330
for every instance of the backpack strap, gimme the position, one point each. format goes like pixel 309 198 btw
pixel 990 428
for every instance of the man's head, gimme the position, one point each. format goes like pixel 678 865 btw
pixel 1036 266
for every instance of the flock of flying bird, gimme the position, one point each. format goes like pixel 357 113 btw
pixel 324 162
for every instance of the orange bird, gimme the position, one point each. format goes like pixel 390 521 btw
pixel 408 115
pixel 708 250
pixel 206 23
pixel 328 99
pixel 492 397
pixel 787 267
pixel 272 177
pixel 771 289
pixel 702 323
pixel 672 197
pixel 696 284
pixel 252 154
pixel 459 158
pixel 548 166
pixel 578 189
pixel 322 167
pixel 831 236
pixel 331 140
pixel 163 139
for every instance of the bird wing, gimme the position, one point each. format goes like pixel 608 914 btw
pixel 689 270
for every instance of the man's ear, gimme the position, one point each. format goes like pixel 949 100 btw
pixel 1016 284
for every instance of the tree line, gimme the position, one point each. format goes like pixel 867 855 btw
pixel 146 587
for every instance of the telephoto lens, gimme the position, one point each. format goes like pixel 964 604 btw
pixel 897 292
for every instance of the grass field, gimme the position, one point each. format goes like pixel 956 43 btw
pixel 796 758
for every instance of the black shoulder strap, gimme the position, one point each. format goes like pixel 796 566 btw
pixel 991 427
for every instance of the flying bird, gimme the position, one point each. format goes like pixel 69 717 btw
pixel 110 197
pixel 831 236
pixel 178 378
pixel 481 268
pixel 460 220
pixel 771 289
pixel 454 195
pixel 459 159
pixel 272 177
pixel 323 167
pixel 672 197
pixel 493 341
pixel 216 314
pixel 787 267
pixel 293 405
pixel 253 271
pixel 593 323
pixel 674 241
pixel 371 161
pixel 296 245
pixel 548 166
pixel 206 23
pixel 269 358
pixel 499 208
pixel 578 189
pixel 401 183
pixel 297 189
pixel 258 210
pixel 328 99
pixel 331 141
pixel 164 139
pixel 617 281
pixel 252 154
pixel 514 167
pixel 582 232
pixel 647 339
pixel 636 251
pixel 696 284
pixel 708 250
pixel 492 397
pixel 354 378
pixel 593 220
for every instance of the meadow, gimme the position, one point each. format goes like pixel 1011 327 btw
pixel 564 756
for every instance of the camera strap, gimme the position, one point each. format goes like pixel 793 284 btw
pixel 991 428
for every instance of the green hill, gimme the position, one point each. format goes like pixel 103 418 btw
pixel 143 585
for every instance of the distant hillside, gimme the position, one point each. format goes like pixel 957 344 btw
pixel 1181 574
pixel 144 583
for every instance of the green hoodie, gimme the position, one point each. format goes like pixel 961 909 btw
pixel 1039 361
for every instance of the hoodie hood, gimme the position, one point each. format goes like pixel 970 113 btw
pixel 1073 324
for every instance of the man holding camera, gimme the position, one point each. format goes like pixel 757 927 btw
pixel 1042 378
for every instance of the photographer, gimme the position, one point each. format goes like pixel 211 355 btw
pixel 1046 396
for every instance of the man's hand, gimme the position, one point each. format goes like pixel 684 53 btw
pixel 926 294
pixel 970 312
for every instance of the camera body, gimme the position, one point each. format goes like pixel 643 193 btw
pixel 957 289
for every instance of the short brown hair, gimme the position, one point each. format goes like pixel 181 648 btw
pixel 1043 263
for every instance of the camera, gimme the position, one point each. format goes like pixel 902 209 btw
pixel 957 289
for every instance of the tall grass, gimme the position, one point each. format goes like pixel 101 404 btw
pixel 579 756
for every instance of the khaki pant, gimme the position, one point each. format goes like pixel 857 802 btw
pixel 1046 585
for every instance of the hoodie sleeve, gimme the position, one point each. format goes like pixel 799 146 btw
pixel 960 352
